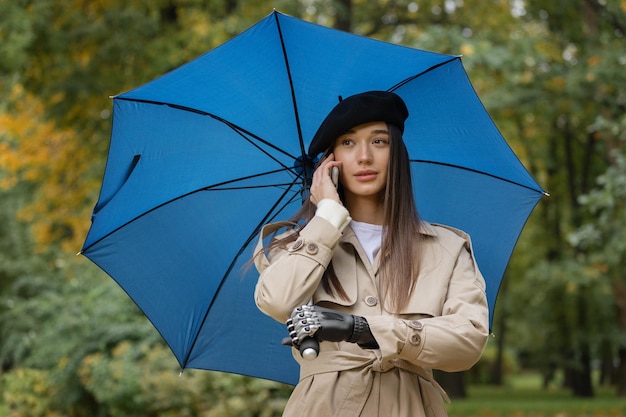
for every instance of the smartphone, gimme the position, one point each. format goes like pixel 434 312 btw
pixel 334 176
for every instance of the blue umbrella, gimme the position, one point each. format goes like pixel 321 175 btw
pixel 203 156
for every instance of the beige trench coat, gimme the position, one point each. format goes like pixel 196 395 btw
pixel 444 326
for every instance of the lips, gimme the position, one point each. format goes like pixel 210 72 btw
pixel 365 175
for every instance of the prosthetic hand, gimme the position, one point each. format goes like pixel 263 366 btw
pixel 325 324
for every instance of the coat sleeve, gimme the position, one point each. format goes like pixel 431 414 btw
pixel 292 274
pixel 453 341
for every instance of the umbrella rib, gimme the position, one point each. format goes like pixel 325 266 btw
pixel 479 172
pixel 241 131
pixel 293 94
pixel 207 188
pixel 247 177
pixel 256 230
pixel 248 187
pixel 434 67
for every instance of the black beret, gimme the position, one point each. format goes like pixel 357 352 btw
pixel 371 106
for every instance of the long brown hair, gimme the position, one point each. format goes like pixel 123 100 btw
pixel 400 255
pixel 400 259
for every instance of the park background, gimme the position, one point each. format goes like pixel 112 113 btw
pixel 551 74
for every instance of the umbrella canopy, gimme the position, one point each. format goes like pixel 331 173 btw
pixel 203 156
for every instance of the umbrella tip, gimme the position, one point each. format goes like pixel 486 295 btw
pixel 79 253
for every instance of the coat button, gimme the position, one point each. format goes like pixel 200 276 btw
pixel 371 301
pixel 312 248
pixel 416 324
pixel 415 339
pixel 296 245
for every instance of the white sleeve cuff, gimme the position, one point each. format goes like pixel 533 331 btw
pixel 334 213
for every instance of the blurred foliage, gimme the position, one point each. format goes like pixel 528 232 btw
pixel 555 332
pixel 50 153
pixel 28 393
pixel 551 75
pixel 119 380
pixel 481 373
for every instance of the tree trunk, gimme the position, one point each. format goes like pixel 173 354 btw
pixel 344 15
pixel 607 369
pixel 581 376
pixel 452 382
pixel 496 371
pixel 620 374
pixel 619 289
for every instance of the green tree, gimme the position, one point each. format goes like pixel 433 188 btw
pixel 581 73
pixel 601 241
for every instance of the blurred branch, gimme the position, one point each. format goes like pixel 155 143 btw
pixel 602 9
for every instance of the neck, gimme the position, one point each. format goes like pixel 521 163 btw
pixel 366 210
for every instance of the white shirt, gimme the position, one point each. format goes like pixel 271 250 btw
pixel 370 236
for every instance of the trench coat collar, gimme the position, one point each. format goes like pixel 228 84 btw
pixel 348 235
pixel 346 266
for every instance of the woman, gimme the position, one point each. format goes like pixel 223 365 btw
pixel 392 296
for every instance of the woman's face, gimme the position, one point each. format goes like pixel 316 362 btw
pixel 364 153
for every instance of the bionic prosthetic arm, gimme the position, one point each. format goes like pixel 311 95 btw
pixel 325 324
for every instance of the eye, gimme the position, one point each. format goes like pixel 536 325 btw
pixel 346 141
pixel 380 141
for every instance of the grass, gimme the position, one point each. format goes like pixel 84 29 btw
pixel 524 397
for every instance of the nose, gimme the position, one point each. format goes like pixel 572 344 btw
pixel 364 154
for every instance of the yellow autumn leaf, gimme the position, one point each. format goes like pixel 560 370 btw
pixel 594 60
pixel 467 49
pixel 35 150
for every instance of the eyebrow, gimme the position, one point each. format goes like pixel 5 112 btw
pixel 384 131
